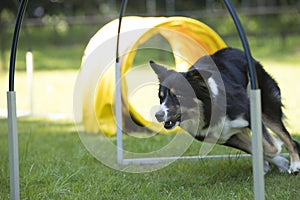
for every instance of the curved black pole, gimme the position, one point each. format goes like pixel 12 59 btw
pixel 252 70
pixel 122 10
pixel 14 46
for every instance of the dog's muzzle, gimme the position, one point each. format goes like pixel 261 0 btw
pixel 169 122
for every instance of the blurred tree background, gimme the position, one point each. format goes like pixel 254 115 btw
pixel 68 23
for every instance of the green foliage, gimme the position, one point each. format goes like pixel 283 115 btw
pixel 62 48
pixel 59 39
pixel 57 46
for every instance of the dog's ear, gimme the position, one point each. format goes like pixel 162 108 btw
pixel 194 73
pixel 159 70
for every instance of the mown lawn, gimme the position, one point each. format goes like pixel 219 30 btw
pixel 54 164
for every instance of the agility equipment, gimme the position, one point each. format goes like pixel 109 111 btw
pixel 12 111
pixel 255 106
pixel 89 119
pixel 189 39
pixel 95 117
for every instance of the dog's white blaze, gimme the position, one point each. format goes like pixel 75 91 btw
pixel 164 109
pixel 213 86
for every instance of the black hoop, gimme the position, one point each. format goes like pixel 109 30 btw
pixel 252 70
pixel 14 46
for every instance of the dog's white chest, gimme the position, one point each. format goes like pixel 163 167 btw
pixel 221 132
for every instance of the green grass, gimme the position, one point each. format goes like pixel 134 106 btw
pixel 55 165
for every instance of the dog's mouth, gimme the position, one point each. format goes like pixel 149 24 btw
pixel 170 119
pixel 171 124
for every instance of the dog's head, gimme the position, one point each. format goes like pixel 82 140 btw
pixel 180 94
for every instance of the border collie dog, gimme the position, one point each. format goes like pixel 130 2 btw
pixel 211 101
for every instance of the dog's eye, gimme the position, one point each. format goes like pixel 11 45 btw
pixel 178 96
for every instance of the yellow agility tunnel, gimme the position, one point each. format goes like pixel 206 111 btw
pixel 189 40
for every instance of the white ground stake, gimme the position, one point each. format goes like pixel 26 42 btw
pixel 257 148
pixel 119 120
pixel 13 146
pixel 29 71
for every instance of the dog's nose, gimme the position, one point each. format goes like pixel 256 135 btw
pixel 160 116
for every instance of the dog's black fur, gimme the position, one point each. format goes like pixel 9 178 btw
pixel 177 106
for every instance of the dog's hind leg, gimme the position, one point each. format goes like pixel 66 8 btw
pixel 272 116
pixel 271 146
pixel 291 145
pixel 272 149
pixel 242 141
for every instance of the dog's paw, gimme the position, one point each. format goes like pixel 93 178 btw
pixel 295 167
pixel 281 163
